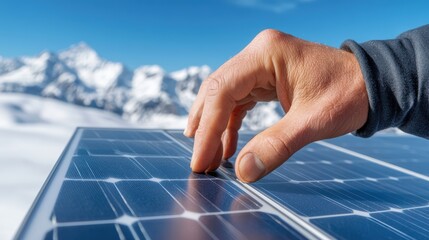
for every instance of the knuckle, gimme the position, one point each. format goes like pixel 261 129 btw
pixel 279 146
pixel 270 36
pixel 213 86
pixel 218 87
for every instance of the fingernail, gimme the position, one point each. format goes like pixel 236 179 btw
pixel 251 168
pixel 185 132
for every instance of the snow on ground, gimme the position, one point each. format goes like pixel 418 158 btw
pixel 33 133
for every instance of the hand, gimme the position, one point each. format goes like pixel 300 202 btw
pixel 321 89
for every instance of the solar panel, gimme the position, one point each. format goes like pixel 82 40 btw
pixel 137 184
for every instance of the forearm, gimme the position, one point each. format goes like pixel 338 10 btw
pixel 396 74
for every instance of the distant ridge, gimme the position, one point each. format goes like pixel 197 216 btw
pixel 78 75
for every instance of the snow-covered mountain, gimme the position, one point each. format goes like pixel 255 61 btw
pixel 80 76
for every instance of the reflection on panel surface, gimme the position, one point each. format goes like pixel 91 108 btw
pixel 137 184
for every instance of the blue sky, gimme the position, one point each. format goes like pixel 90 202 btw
pixel 180 33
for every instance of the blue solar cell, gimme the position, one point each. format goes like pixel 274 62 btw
pixel 414 222
pixel 255 225
pixel 168 167
pixel 146 198
pixel 85 201
pixel 97 167
pixel 368 196
pixel 122 147
pixel 414 191
pixel 102 147
pixel 173 228
pixel 320 154
pixel 304 171
pixel 406 151
pixel 154 148
pixel 302 198
pixel 210 196
pixel 357 227
pixel 121 134
pixel 90 232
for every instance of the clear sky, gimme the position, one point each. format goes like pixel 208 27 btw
pixel 180 33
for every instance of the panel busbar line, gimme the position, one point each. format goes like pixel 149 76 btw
pixel 137 184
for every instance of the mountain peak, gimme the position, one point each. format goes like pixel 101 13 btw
pixel 80 52
pixel 46 56
pixel 81 47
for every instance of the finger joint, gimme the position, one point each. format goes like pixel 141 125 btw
pixel 279 145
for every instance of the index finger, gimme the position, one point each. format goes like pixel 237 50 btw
pixel 229 84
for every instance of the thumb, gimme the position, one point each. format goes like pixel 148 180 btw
pixel 272 147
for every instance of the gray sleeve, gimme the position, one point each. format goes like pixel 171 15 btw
pixel 396 74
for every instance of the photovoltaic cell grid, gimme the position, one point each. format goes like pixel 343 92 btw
pixel 137 184
pixel 133 184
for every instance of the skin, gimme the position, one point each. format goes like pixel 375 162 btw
pixel 321 89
